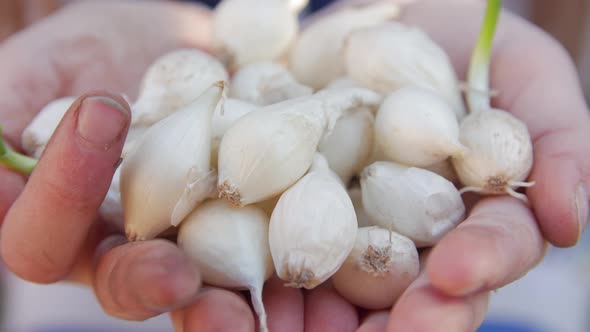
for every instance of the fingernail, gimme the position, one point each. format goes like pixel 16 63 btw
pixel 102 121
pixel 182 284
pixel 582 206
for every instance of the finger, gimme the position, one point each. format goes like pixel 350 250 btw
pixel 218 310
pixel 48 223
pixel 177 318
pixel 562 175
pixel 375 322
pixel 284 306
pixel 497 244
pixel 327 311
pixel 559 123
pixel 140 280
pixel 424 308
pixel 84 269
pixel 540 88
pixel 12 185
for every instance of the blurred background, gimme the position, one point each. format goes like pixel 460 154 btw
pixel 554 297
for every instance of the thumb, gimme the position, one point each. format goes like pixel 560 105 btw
pixel 46 226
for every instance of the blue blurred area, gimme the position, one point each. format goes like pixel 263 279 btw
pixel 313 4
pixel 509 326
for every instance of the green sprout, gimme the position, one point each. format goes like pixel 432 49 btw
pixel 15 160
pixel 478 76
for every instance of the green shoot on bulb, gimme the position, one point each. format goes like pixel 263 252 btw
pixel 14 160
pixel 478 76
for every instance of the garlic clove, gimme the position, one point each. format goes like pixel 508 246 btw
pixel 309 242
pixel 317 55
pixel 499 156
pixel 392 55
pixel 38 133
pixel 444 168
pixel 380 267
pixel 416 127
pixel 226 114
pixel 414 202
pixel 268 150
pixel 172 82
pixel 264 153
pixel 247 31
pixel 348 147
pixel 265 83
pixel 168 172
pixel 133 135
pixel 230 247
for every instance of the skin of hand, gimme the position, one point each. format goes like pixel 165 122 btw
pixel 502 238
pixel 50 231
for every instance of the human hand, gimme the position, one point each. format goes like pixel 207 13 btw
pixel 50 230
pixel 502 238
pixel 290 309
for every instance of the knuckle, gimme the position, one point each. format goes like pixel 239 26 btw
pixel 113 295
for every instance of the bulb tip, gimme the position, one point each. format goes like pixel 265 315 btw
pixel 230 193
pixel 134 236
pixel 297 274
pixel 376 260
pixel 496 184
pixel 302 281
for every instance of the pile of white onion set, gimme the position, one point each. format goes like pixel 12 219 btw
pixel 332 154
